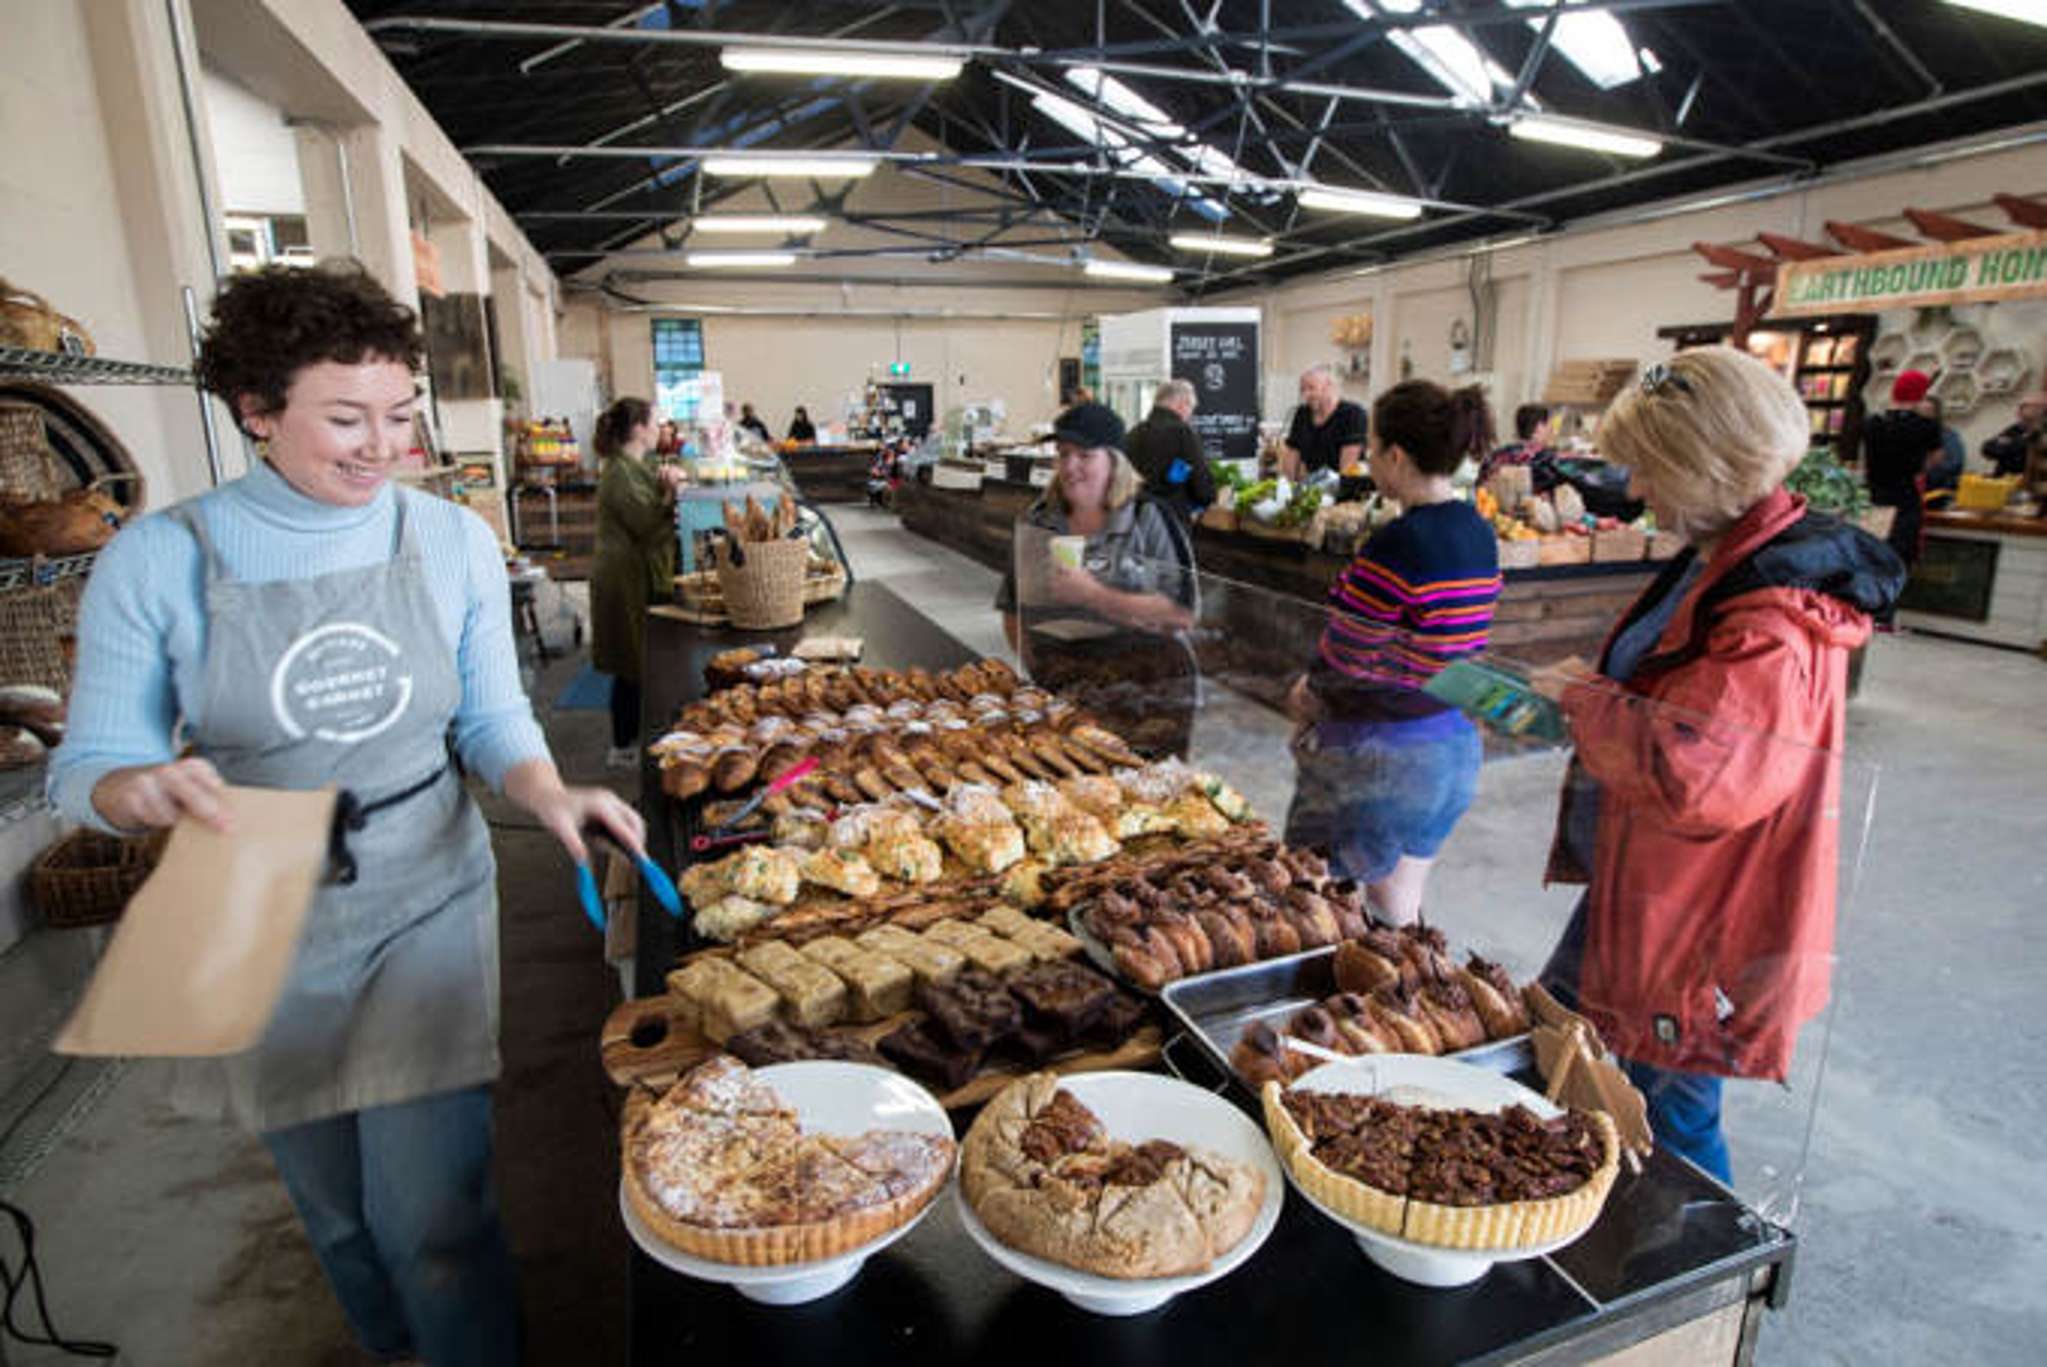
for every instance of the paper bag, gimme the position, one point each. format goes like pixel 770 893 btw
pixel 201 955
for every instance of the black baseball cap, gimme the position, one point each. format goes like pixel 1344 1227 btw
pixel 1089 425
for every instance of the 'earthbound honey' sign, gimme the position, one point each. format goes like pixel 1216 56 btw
pixel 1982 268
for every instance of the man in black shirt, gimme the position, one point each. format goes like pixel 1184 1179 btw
pixel 1328 432
pixel 751 421
pixel 1898 445
pixel 2007 450
pixel 1167 452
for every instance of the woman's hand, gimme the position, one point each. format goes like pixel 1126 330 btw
pixel 151 796
pixel 1551 680
pixel 536 785
pixel 673 477
pixel 1075 586
pixel 1153 612
pixel 1302 706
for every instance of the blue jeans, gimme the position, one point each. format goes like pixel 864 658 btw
pixel 1373 793
pixel 401 1207
pixel 1684 1108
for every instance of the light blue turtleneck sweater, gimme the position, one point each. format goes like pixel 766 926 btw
pixel 142 625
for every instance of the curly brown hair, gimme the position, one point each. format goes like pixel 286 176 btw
pixel 269 324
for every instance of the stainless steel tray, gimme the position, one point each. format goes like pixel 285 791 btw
pixel 1215 1009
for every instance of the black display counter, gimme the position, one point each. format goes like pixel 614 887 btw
pixel 830 474
pixel 1675 1268
pixel 1543 614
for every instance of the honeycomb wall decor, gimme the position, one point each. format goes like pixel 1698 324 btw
pixel 1961 349
pixel 1958 393
pixel 1888 352
pixel 2003 370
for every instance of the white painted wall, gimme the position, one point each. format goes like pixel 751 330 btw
pixel 256 153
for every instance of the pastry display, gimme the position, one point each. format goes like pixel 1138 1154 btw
pixel 781 1042
pixel 863 862
pixel 811 994
pixel 1385 1004
pixel 877 986
pixel 1045 1178
pixel 1235 906
pixel 721 1169
pixel 1443 1175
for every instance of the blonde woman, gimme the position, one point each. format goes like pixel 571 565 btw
pixel 1704 825
pixel 1134 583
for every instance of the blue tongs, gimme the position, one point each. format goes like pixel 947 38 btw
pixel 657 881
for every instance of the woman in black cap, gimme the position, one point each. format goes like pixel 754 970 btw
pixel 1100 619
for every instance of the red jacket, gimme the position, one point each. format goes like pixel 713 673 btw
pixel 1710 916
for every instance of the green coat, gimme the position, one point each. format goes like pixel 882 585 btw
pixel 635 563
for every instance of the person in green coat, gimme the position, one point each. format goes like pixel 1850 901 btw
pixel 635 562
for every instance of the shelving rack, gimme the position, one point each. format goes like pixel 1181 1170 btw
pixel 56 367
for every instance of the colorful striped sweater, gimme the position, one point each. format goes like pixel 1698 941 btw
pixel 1419 595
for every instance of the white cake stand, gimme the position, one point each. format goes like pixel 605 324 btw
pixel 829 1097
pixel 1136 1107
pixel 1464 1085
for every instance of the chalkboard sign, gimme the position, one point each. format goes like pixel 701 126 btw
pixel 1221 361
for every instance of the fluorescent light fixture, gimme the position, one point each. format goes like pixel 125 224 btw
pixel 1361 202
pixel 758 223
pixel 815 62
pixel 1651 63
pixel 1105 133
pixel 1596 43
pixel 2025 11
pixel 1591 137
pixel 740 166
pixel 1128 270
pixel 1221 246
pixel 720 260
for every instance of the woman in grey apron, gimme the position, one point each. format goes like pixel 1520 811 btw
pixel 314 625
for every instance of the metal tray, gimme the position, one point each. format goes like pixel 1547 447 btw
pixel 1215 1009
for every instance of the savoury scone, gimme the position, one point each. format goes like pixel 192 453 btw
pixel 721 1169
pixel 1045 1178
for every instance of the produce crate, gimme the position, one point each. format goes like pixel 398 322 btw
pixel 1665 545
pixel 1524 554
pixel 1617 544
pixel 1564 550
pixel 1219 519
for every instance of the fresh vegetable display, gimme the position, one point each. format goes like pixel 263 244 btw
pixel 1828 486
pixel 1300 508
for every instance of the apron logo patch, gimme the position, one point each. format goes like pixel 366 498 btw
pixel 340 682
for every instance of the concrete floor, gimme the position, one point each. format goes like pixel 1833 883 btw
pixel 1920 1194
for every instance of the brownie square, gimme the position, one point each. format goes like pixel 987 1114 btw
pixel 775 1042
pixel 1065 997
pixel 1118 1021
pixel 919 1051
pixel 974 1010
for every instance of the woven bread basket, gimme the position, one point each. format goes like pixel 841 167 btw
pixel 86 878
pixel 765 591
pixel 27 320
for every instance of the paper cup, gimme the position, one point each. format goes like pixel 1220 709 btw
pixel 1068 550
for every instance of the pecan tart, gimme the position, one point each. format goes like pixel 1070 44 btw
pixel 1443 1175
pixel 1046 1178
pixel 721 1169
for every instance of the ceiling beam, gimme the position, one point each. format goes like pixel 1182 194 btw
pixel 2027 213
pixel 1795 249
pixel 1857 238
pixel 1946 227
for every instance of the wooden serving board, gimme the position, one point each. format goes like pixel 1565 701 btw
pixel 671 1048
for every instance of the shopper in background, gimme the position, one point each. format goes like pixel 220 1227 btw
pixel 1946 471
pixel 800 428
pixel 1385 770
pixel 2006 451
pixel 1328 431
pixel 1532 430
pixel 1701 803
pixel 669 440
pixel 751 421
pixel 635 562
pixel 371 1085
pixel 1167 452
pixel 1135 581
pixel 1898 446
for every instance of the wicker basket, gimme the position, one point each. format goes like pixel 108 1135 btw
pixel 1522 554
pixel 766 591
pixel 39 633
pixel 28 469
pixel 1564 550
pixel 86 878
pixel 1619 544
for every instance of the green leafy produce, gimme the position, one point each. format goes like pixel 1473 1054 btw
pixel 1253 494
pixel 1228 476
pixel 1828 486
pixel 1299 508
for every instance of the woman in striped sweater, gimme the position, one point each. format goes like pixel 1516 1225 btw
pixel 1385 770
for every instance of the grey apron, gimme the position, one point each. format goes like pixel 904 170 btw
pixel 346 679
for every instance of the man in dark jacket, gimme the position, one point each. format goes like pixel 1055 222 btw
pixel 2007 450
pixel 1167 452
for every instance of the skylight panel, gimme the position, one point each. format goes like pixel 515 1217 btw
pixel 1596 43
pixel 1451 60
